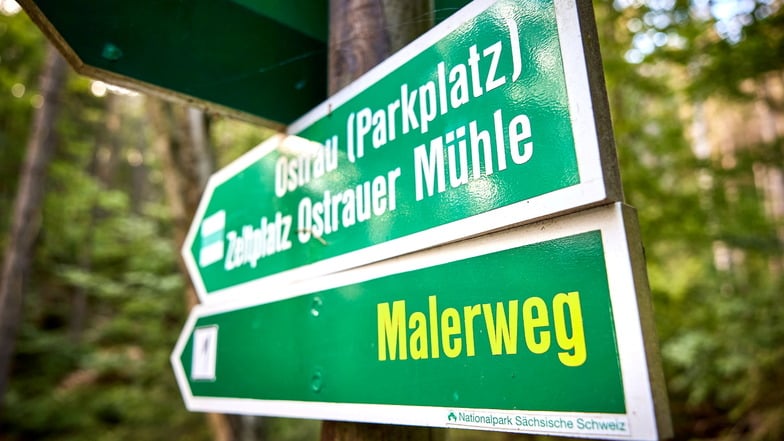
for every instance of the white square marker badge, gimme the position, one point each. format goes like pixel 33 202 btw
pixel 205 353
pixel 212 246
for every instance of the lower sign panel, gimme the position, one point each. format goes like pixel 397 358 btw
pixel 541 329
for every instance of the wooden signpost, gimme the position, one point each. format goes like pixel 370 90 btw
pixel 442 243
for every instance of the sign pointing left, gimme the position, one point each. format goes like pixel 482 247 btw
pixel 526 350
pixel 489 120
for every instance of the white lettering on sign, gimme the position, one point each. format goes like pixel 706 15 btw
pixel 347 208
pixel 419 106
pixel 302 161
pixel 486 151
pixel 334 196
pixel 250 244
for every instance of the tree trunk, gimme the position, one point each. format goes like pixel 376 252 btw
pixel 180 141
pixel 101 167
pixel 362 33
pixel 181 144
pixel 25 221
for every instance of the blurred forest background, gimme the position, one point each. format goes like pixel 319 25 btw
pixel 696 89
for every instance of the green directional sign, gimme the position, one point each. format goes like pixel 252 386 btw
pixel 532 330
pixel 486 121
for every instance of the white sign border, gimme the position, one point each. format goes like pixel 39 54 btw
pixel 647 411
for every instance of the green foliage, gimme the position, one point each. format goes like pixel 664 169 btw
pixel 232 138
pixel 21 53
pixel 725 65
pixel 115 380
pixel 101 372
pixel 714 252
pixel 291 429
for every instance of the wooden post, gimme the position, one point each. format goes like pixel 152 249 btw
pixel 362 33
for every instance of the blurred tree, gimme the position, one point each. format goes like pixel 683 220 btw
pixel 696 88
pixel 26 214
pixel 21 54
pixel 181 143
pixel 103 301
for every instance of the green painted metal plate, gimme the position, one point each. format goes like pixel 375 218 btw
pixel 486 121
pixel 256 59
pixel 246 60
pixel 307 16
pixel 536 329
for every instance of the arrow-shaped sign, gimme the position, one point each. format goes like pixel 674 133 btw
pixel 489 120
pixel 534 330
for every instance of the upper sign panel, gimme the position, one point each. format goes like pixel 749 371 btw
pixel 486 121
pixel 240 57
